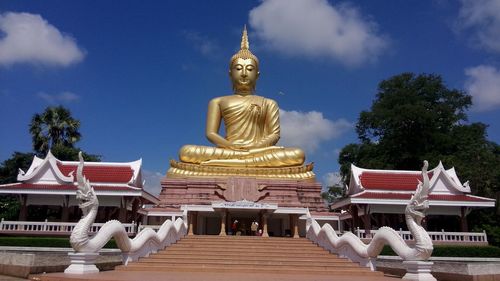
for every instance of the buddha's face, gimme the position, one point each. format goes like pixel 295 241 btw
pixel 244 74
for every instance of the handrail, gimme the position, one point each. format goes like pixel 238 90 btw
pixel 438 236
pixel 54 227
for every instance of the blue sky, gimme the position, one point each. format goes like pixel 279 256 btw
pixel 139 75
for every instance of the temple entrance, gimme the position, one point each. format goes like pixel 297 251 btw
pixel 245 218
pixel 240 222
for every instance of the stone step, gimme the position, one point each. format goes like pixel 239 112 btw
pixel 259 240
pixel 231 255
pixel 306 269
pixel 246 243
pixel 255 249
pixel 216 255
pixel 249 260
pixel 236 237
pixel 247 254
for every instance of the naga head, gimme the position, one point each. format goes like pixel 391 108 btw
pixel 418 203
pixel 85 192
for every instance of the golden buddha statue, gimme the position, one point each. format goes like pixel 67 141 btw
pixel 252 130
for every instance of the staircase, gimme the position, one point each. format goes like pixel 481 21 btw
pixel 201 253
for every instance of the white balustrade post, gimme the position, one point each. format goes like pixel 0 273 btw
pixel 443 235
pixel 82 263
pixel 418 271
pixel 44 227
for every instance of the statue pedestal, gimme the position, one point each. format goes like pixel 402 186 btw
pixel 82 263
pixel 418 271
pixel 177 192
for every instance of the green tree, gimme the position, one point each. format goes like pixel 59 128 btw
pixel 55 126
pixel 334 193
pixel 10 167
pixel 410 117
pixel 70 153
pixel 9 204
pixel 56 130
pixel 417 117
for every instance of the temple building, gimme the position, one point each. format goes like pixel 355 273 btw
pixel 47 190
pixel 376 198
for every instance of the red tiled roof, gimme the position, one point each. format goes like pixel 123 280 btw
pixel 390 181
pixel 407 196
pixel 111 174
pixel 64 187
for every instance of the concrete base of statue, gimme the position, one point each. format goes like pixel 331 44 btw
pixel 182 170
pixel 82 263
pixel 203 191
pixel 418 271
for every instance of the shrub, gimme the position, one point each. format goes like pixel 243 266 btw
pixel 456 251
pixel 50 242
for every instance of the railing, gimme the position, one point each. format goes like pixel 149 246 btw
pixel 152 226
pixel 436 236
pixel 35 227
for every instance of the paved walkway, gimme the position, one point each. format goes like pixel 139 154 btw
pixel 205 276
pixel 10 278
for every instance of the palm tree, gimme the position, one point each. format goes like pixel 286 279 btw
pixel 54 126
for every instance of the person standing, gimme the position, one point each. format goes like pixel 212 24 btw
pixel 254 227
pixel 234 227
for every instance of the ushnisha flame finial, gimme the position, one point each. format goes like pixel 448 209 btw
pixel 244 39
pixel 244 52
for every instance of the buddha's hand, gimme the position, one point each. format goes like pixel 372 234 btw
pixel 239 148
pixel 265 149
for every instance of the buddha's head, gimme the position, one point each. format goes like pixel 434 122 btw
pixel 244 68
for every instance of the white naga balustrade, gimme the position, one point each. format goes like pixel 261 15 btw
pixel 86 247
pixel 436 236
pixel 41 227
pixel 414 257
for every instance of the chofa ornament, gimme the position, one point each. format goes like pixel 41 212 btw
pixel 350 246
pixel 86 248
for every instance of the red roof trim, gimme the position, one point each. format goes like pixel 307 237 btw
pixel 97 173
pixel 407 196
pixel 390 181
pixel 66 187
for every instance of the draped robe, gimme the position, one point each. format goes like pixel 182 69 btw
pixel 252 122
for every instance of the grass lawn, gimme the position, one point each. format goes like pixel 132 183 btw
pixel 51 242
pixel 456 251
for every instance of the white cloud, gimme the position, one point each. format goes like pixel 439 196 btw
pixel 482 17
pixel 332 178
pixel 29 38
pixel 64 97
pixel 483 84
pixel 203 44
pixel 316 28
pixel 308 129
pixel 152 181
